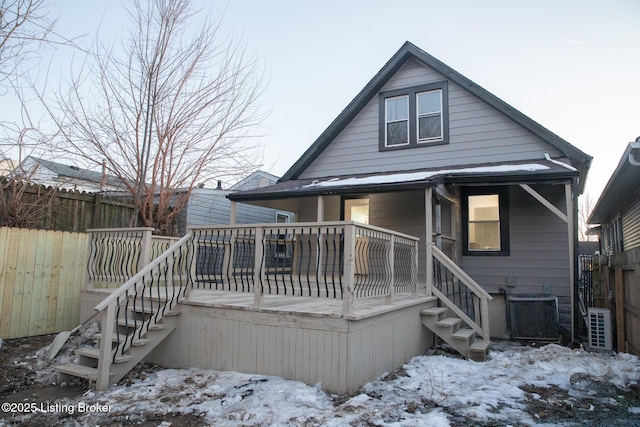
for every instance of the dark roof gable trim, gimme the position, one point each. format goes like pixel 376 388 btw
pixel 407 51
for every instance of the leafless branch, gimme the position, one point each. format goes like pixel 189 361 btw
pixel 174 108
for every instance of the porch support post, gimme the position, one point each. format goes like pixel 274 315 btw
pixel 232 213
pixel 320 212
pixel 428 239
pixel 568 191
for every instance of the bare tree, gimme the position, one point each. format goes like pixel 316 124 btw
pixel 585 206
pixel 172 109
pixel 26 27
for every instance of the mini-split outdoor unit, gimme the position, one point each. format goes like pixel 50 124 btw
pixel 533 317
pixel 599 323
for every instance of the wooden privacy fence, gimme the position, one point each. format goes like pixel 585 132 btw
pixel 41 275
pixel 617 287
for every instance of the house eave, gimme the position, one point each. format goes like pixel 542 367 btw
pixel 490 174
pixel 621 185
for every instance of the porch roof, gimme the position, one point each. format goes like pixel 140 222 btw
pixel 487 174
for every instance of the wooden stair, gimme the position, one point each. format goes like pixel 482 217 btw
pixel 139 344
pixel 463 340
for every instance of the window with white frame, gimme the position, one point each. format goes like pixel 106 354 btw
pixel 429 116
pixel 414 116
pixel 397 121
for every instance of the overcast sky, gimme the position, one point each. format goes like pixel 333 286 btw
pixel 571 65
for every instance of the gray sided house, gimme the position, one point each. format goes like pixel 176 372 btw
pixel 210 206
pixel 424 151
pixel 617 217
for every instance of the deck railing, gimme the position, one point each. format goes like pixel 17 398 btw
pixel 117 254
pixel 459 292
pixel 306 259
pixel 341 260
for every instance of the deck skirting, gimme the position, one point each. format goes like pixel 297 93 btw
pixel 339 353
pixel 316 346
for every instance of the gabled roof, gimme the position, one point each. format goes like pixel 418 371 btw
pixel 407 51
pixel 622 185
pixel 74 172
pixel 255 175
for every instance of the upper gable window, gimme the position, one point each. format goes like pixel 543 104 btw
pixel 430 116
pixel 414 116
pixel 397 121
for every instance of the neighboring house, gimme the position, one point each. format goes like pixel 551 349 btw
pixel 7 166
pixel 58 175
pixel 425 151
pixel 617 217
pixel 210 206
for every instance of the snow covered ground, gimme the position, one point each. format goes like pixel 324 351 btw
pixel 518 386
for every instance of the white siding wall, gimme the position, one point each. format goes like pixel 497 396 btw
pixel 478 134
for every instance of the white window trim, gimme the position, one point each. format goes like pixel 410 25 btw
pixel 386 121
pixel 418 116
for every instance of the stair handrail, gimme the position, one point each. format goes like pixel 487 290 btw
pixel 107 310
pixel 472 285
pixel 132 281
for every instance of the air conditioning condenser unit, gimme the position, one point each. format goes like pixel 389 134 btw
pixel 599 323
pixel 533 317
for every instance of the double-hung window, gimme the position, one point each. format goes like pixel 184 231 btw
pixel 397 121
pixel 485 221
pixel 429 116
pixel 413 117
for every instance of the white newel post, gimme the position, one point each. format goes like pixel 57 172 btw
pixel 349 268
pixel 145 256
pixel 258 271
pixel 391 260
pixel 107 320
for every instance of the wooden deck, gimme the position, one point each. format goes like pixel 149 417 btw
pixel 298 338
pixel 302 306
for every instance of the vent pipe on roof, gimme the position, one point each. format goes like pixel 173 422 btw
pixel 632 157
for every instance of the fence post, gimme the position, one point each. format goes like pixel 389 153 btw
pixel 391 260
pixel 145 255
pixel 107 319
pixel 258 270
pixel 349 268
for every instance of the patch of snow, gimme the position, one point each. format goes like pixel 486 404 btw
pixel 432 390
pixel 418 176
